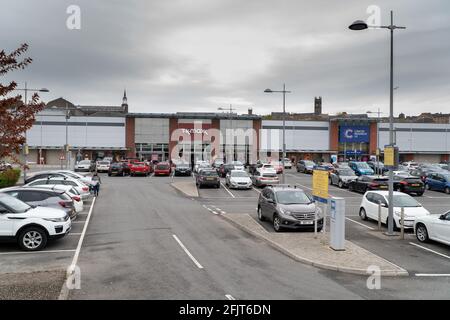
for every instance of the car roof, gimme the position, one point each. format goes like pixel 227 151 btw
pixel 386 193
pixel 238 171
pixel 38 189
pixel 285 187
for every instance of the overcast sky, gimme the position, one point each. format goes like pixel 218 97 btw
pixel 198 55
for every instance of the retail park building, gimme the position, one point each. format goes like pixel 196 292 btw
pixel 99 131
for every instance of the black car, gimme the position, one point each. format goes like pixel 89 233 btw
pixel 377 166
pixel 409 184
pixel 366 183
pixel 182 169
pixel 207 178
pixel 117 169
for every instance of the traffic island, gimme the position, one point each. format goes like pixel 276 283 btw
pixel 188 188
pixel 304 247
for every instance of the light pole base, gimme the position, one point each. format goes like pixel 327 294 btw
pixel 394 234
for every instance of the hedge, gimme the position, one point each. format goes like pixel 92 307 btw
pixel 9 178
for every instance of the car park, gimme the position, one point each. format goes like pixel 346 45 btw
pixel 238 179
pixel 433 227
pixel 71 191
pixel 278 166
pixel 81 188
pixel 372 200
pixel 200 163
pixel 365 183
pixel 207 177
pixel 103 166
pixel 361 168
pixel 31 227
pixel 288 207
pixel 84 165
pixel 117 169
pixel 225 169
pixel 287 163
pixel 162 169
pixel 217 163
pixel 141 169
pixel 342 177
pixel 377 166
pixel 238 165
pixel 265 178
pixel 305 166
pixel 438 181
pixel 182 169
pixel 409 184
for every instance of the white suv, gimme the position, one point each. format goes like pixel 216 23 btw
pixel 435 227
pixel 31 227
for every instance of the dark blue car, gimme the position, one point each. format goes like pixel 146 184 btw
pixel 438 181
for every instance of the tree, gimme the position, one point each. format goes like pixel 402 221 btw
pixel 16 117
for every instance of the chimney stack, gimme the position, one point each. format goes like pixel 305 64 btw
pixel 317 106
pixel 250 111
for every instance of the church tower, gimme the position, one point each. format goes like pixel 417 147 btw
pixel 125 102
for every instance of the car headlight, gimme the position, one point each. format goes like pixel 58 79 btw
pixel 284 211
pixel 318 212
pixel 56 219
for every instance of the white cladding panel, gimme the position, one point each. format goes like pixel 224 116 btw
pixel 300 135
pixel 151 130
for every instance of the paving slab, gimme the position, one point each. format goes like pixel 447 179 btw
pixel 304 247
pixel 188 188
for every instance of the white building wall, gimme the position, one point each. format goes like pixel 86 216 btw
pixel 151 130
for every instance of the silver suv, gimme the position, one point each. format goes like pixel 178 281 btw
pixel 288 207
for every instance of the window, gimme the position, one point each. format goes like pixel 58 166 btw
pixel 265 193
pixel 378 199
pixel 3 209
pixel 293 197
pixel 369 197
pixel 30 196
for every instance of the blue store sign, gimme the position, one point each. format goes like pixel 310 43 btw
pixel 351 134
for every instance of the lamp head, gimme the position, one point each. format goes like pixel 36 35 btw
pixel 268 91
pixel 358 25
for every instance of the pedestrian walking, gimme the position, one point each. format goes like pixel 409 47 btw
pixel 96 187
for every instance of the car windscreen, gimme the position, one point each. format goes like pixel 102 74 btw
pixel 309 163
pixel 104 163
pixel 269 175
pixel 209 173
pixel 183 166
pixel 292 197
pixel 362 165
pixel 405 201
pixel 239 174
pixel 14 204
pixel 347 172
pixel 85 162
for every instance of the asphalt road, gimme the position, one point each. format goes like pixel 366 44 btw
pixel 147 241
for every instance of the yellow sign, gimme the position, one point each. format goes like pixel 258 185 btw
pixel 320 184
pixel 389 158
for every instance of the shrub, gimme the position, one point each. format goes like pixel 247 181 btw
pixel 9 178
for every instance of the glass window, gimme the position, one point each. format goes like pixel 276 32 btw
pixel 293 197
pixel 405 201
pixel 14 204
pixel 29 196
pixel 239 174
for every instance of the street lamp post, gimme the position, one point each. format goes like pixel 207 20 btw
pixel 284 125
pixel 25 146
pixel 361 25
pixel 230 110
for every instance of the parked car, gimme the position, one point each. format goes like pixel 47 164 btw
pixel 183 169
pixel 410 164
pixel 342 177
pixel 377 166
pixel 412 208
pixel 225 169
pixel 278 166
pixel 207 178
pixel 141 169
pixel 200 163
pixel 433 227
pixel 238 179
pixel 126 165
pixel 117 169
pixel 44 175
pixel 325 166
pixel 84 165
pixel 288 207
pixel 44 198
pixel 71 191
pixel 408 184
pixel 361 168
pixel 265 178
pixel 341 165
pixel 238 165
pixel 31 227
pixel 103 166
pixel 217 163
pixel 287 163
pixel 305 166
pixel 75 175
pixel 423 173
pixel 365 183
pixel 82 188
pixel 266 168
pixel 438 181
pixel 162 169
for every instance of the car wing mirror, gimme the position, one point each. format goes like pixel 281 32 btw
pixel 442 217
pixel 271 201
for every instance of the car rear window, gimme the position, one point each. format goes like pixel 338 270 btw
pixel 162 167
pixel 269 175
pixel 209 173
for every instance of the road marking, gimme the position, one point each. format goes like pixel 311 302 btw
pixel 74 234
pixel 361 224
pixel 432 274
pixel 32 252
pixel 73 222
pixel 227 190
pixel 209 209
pixel 187 252
pixel 230 297
pixel 425 248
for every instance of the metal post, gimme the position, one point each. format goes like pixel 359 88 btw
pixel 378 143
pixel 67 136
pixel 325 209
pixel 391 133
pixel 25 146
pixel 402 222
pixel 315 222
pixel 379 215
pixel 284 132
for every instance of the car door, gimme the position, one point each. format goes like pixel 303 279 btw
pixel 6 224
pixel 271 205
pixel 377 198
pixel 264 203
pixel 442 229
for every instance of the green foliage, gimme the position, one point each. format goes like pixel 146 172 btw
pixel 9 178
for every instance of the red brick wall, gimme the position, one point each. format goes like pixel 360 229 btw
pixel 445 157
pixel 129 137
pixel 257 126
pixel 334 136
pixel 373 138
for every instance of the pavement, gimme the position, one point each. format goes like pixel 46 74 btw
pixel 304 247
pixel 188 188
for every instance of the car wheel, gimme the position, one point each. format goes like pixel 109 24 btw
pixel 340 184
pixel 422 233
pixel 109 174
pixel 276 223
pixel 260 215
pixel 32 239
pixel 447 190
pixel 363 214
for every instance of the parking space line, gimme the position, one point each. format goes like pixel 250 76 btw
pixel 209 209
pixel 187 252
pixel 229 297
pixel 359 223
pixel 427 249
pixel 432 274
pixel 74 234
pixel 33 252
pixel 227 190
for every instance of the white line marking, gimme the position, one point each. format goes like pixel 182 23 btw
pixel 227 190
pixel 74 234
pixel 432 274
pixel 361 224
pixel 229 297
pixel 425 248
pixel 32 252
pixel 75 222
pixel 187 252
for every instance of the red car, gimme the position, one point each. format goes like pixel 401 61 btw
pixel 278 166
pixel 139 168
pixel 163 169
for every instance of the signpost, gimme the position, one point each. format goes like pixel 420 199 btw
pixel 320 194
